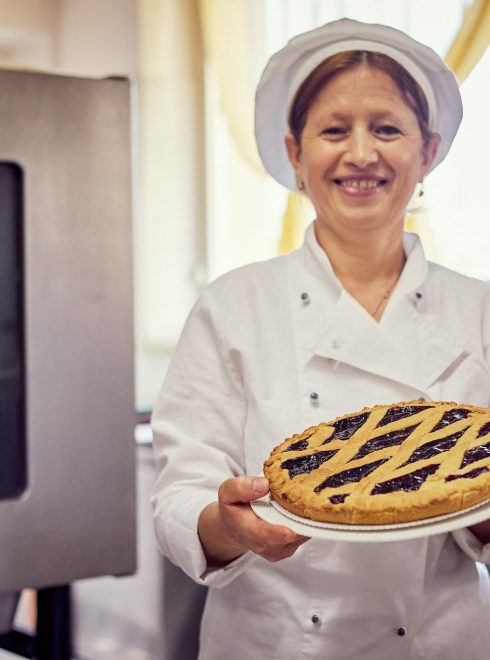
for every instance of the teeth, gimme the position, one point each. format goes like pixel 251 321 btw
pixel 360 184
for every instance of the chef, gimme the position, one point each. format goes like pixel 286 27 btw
pixel 355 116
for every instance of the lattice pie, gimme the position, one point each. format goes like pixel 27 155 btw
pixel 386 464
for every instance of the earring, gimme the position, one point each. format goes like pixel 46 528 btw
pixel 421 189
pixel 299 182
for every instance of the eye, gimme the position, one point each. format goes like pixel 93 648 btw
pixel 387 130
pixel 334 131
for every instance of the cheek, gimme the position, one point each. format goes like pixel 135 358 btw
pixel 410 160
pixel 408 168
pixel 318 160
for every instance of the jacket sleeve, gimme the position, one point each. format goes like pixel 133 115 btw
pixel 197 429
pixel 465 539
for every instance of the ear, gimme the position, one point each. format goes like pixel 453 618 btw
pixel 294 151
pixel 429 153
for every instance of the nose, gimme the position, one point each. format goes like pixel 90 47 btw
pixel 361 148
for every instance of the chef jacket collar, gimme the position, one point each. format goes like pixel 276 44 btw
pixel 345 333
pixel 413 275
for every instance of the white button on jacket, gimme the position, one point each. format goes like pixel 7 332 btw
pixel 250 357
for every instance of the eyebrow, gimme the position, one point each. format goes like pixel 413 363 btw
pixel 386 114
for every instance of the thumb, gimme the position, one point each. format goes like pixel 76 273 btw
pixel 242 489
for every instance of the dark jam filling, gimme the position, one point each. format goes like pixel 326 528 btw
pixel 451 416
pixel 485 430
pixel 399 412
pixel 408 482
pixel 475 454
pixel 349 476
pixel 305 464
pixel 472 474
pixel 434 447
pixel 299 445
pixel 345 428
pixel 338 499
pixel 387 440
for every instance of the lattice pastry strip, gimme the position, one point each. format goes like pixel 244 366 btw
pixel 386 464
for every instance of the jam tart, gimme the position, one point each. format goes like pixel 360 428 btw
pixel 386 464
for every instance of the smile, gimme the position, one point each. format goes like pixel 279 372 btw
pixel 361 184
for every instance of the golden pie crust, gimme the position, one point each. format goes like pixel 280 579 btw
pixel 386 464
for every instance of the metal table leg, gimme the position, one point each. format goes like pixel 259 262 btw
pixel 54 624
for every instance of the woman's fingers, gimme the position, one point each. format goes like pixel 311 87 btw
pixel 272 542
pixel 242 489
pixel 278 553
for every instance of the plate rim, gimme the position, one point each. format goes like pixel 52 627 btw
pixel 265 509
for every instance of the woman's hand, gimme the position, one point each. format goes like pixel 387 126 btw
pixel 482 531
pixel 228 528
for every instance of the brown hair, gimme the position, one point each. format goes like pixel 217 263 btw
pixel 309 89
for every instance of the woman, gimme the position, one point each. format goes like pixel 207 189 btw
pixel 355 116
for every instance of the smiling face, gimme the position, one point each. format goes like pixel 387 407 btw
pixel 361 152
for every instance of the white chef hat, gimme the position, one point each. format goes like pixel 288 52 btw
pixel 289 67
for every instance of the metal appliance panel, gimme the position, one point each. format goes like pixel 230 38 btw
pixel 71 138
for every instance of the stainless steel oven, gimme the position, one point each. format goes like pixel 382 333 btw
pixel 67 487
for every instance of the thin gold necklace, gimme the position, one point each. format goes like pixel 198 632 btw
pixel 385 296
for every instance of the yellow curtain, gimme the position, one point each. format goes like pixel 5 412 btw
pixel 471 41
pixel 228 30
pixel 464 54
pixel 295 220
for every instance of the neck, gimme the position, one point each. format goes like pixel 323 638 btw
pixel 368 264
pixel 363 256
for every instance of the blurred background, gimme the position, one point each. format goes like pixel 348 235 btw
pixel 201 204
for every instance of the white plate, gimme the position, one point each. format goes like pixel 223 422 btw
pixel 272 512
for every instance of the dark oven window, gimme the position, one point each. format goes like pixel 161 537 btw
pixel 13 469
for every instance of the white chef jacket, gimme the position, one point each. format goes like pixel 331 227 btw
pixel 253 351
